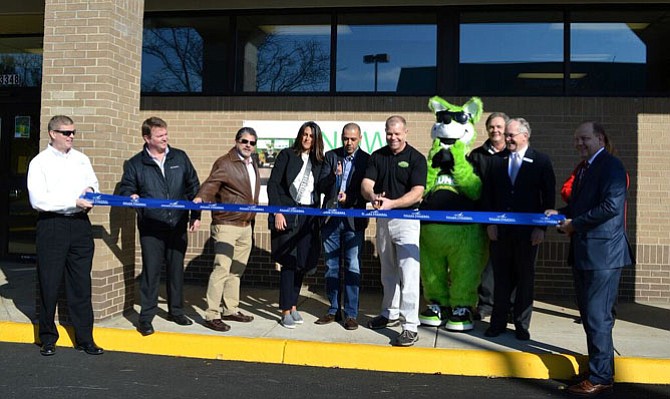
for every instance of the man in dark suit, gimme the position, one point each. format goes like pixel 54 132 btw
pixel 599 249
pixel 495 127
pixel 340 181
pixel 519 181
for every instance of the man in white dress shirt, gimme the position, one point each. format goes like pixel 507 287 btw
pixel 57 177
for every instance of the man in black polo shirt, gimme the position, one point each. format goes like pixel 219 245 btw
pixel 395 179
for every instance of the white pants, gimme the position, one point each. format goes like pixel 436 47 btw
pixel 398 246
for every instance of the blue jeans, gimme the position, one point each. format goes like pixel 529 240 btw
pixel 342 243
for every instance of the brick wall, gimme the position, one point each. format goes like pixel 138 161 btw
pixel 205 128
pixel 91 72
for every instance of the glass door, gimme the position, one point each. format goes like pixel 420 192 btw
pixel 19 144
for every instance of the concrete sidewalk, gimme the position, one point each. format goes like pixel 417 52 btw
pixel 556 348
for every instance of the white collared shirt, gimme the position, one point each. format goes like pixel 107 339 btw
pixel 159 162
pixel 590 161
pixel 249 163
pixel 522 154
pixel 56 180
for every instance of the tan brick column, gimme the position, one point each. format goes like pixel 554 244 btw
pixel 91 72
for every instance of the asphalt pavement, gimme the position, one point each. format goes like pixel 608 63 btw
pixel 74 375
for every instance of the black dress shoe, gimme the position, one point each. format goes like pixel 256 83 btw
pixel 48 350
pixel 180 319
pixel 145 328
pixel 492 332
pixel 522 334
pixel 91 349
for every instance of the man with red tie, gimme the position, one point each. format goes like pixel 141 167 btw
pixel 599 249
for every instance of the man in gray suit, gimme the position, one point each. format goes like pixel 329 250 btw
pixel 599 249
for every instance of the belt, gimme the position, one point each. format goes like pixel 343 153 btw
pixel 50 215
pixel 238 223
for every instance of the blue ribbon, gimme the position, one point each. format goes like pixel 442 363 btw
pixel 531 219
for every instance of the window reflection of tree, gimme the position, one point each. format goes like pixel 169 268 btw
pixel 286 65
pixel 179 52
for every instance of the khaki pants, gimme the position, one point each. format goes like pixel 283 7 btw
pixel 232 248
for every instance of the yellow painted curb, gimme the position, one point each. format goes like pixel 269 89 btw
pixel 354 356
pixel 430 360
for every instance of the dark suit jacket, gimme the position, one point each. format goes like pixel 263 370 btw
pixel 285 170
pixel 533 191
pixel 328 183
pixel 597 210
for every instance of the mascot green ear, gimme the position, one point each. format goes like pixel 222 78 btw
pixel 474 107
pixel 437 104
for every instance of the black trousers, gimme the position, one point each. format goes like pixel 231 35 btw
pixel 162 248
pixel 298 251
pixel 513 260
pixel 65 249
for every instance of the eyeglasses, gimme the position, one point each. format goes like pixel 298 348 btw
pixel 245 141
pixel 66 133
pixel 509 135
pixel 447 116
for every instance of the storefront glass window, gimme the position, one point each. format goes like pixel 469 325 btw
pixel 393 53
pixel 284 54
pixel 20 61
pixel 619 53
pixel 511 53
pixel 185 55
pixel 611 51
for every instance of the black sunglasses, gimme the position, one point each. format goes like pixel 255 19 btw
pixel 447 116
pixel 245 141
pixel 66 133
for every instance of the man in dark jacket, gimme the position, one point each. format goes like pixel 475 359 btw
pixel 234 179
pixel 162 172
pixel 521 180
pixel 340 181
pixel 495 127
pixel 599 249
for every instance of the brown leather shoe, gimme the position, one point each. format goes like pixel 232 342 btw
pixel 239 317
pixel 587 388
pixel 350 324
pixel 325 319
pixel 217 325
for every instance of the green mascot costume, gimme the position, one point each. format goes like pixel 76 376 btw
pixel 453 255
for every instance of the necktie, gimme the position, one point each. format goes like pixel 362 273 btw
pixel 514 166
pixel 580 173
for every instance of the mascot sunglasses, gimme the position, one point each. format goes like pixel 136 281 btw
pixel 447 116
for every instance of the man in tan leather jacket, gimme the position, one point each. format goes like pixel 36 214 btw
pixel 234 179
